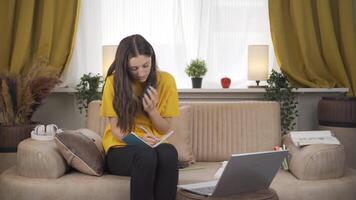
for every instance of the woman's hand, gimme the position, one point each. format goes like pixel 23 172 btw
pixel 150 139
pixel 149 102
pixel 150 99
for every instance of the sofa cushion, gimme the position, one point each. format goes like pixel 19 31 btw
pixel 39 159
pixel 81 152
pixel 181 139
pixel 288 187
pixel 224 128
pixel 72 186
pixel 317 161
pixel 94 121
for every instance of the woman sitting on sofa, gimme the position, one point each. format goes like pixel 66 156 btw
pixel 139 98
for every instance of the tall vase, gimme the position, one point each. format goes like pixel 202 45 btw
pixel 11 136
pixel 196 82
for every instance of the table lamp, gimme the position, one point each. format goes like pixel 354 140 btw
pixel 109 52
pixel 257 64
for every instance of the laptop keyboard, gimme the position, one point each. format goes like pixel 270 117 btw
pixel 204 190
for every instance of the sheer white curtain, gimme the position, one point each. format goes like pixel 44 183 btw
pixel 226 29
pixel 159 21
pixel 179 30
pixel 86 56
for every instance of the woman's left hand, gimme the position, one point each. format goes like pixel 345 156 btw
pixel 150 99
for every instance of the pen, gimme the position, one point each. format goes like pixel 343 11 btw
pixel 147 132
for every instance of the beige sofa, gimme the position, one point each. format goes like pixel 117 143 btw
pixel 217 130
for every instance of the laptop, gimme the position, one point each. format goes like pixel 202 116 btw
pixel 243 173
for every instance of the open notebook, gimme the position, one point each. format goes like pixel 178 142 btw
pixel 133 139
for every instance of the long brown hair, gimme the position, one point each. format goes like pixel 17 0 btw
pixel 126 104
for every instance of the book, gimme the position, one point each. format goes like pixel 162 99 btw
pixel 302 138
pixel 133 139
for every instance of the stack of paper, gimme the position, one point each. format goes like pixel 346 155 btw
pixel 301 138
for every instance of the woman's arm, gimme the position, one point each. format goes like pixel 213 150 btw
pixel 149 102
pixel 116 131
pixel 119 134
pixel 162 124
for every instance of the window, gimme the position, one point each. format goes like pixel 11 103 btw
pixel 180 30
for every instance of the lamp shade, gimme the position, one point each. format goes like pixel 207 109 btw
pixel 257 62
pixel 109 52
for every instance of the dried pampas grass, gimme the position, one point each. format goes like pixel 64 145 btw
pixel 21 95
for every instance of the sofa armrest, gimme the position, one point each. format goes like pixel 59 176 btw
pixel 39 159
pixel 315 162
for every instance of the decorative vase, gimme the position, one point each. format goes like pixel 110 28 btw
pixel 196 82
pixel 11 136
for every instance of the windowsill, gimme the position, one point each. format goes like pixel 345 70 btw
pixel 229 90
pixel 257 90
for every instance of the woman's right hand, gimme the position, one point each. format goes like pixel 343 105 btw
pixel 150 139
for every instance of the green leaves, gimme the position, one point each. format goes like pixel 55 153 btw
pixel 197 68
pixel 87 90
pixel 279 89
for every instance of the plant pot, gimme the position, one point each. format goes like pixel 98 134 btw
pixel 196 82
pixel 11 136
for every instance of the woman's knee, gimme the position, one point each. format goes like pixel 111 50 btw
pixel 146 157
pixel 167 152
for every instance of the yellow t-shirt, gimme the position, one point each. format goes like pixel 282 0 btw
pixel 167 107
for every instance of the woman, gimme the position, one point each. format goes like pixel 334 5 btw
pixel 138 97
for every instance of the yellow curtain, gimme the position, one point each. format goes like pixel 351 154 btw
pixel 32 29
pixel 315 41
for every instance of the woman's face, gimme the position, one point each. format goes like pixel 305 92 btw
pixel 140 67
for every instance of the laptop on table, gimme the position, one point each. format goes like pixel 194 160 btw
pixel 243 173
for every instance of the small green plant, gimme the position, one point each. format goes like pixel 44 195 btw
pixel 197 68
pixel 279 89
pixel 87 90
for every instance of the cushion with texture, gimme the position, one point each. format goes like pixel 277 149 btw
pixel 80 150
pixel 39 159
pixel 317 161
pixel 181 139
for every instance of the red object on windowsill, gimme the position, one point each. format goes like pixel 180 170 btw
pixel 225 82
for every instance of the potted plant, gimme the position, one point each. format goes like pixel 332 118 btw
pixel 279 89
pixel 196 70
pixel 20 97
pixel 87 90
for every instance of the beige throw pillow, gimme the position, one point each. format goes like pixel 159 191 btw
pixel 81 150
pixel 181 139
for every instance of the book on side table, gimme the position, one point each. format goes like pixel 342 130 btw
pixel 302 138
